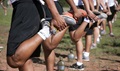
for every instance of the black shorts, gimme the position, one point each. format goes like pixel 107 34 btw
pixel 58 6
pixel 72 28
pixel 113 11
pixel 24 25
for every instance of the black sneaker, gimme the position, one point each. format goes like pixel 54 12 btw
pixel 76 67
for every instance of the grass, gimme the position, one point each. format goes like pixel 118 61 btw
pixel 109 45
pixel 5 20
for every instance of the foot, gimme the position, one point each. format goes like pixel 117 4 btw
pixel 111 34
pixel 102 16
pixel 93 46
pixel 45 31
pixel 76 67
pixel 103 32
pixel 69 20
pixel 86 58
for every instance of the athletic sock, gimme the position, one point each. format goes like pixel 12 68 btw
pixel 86 54
pixel 79 63
pixel 44 32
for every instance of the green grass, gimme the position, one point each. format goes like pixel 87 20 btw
pixel 5 20
pixel 109 45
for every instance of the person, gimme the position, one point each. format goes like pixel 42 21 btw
pixel 50 55
pixel 111 4
pixel 4 7
pixel 26 32
pixel 78 41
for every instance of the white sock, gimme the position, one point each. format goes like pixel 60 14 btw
pixel 44 32
pixel 86 54
pixel 79 63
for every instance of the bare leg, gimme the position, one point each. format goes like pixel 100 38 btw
pixel 28 66
pixel 26 48
pixel 4 8
pixel 104 24
pixel 96 34
pixel 79 50
pixel 53 41
pixel 88 42
pixel 49 45
pixel 110 26
pixel 77 34
pixel 49 58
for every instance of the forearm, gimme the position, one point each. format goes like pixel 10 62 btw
pixel 103 5
pixel 98 4
pixel 91 3
pixel 72 4
pixel 50 4
pixel 86 5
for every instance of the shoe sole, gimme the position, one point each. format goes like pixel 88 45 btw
pixel 76 69
pixel 86 60
pixel 102 16
pixel 69 20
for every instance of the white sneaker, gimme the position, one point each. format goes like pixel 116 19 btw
pixel 103 32
pixel 45 31
pixel 98 40
pixel 1 47
pixel 111 34
pixel 93 46
pixel 85 58
pixel 102 16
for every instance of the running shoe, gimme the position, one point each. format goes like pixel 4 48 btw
pixel 76 67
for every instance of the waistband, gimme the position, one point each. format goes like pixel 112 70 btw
pixel 23 1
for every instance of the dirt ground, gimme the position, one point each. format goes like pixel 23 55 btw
pixel 103 62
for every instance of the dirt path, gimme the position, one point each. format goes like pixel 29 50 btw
pixel 103 62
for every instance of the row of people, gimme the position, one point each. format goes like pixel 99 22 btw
pixel 22 46
pixel 3 6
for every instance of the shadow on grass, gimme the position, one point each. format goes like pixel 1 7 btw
pixel 62 55
pixel 38 60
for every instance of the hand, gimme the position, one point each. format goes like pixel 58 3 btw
pixel 93 16
pixel 109 13
pixel 105 10
pixel 77 14
pixel 59 23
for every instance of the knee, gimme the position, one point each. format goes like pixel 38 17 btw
pixel 75 40
pixel 15 62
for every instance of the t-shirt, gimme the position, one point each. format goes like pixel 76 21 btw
pixel 78 2
pixel 111 3
pixel 12 1
pixel 94 2
pixel 42 2
pixel 55 0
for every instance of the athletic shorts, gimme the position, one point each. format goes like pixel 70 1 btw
pixel 72 28
pixel 58 6
pixel 113 11
pixel 24 25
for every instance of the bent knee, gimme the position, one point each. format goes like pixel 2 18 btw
pixel 14 63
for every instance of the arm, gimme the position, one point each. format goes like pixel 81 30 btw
pixel 77 13
pixel 98 4
pixel 105 6
pixel 91 5
pixel 90 13
pixel 60 22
